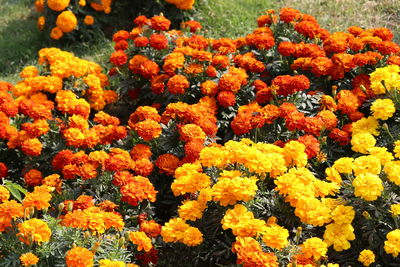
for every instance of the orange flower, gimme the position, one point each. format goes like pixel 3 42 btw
pixel 88 20
pixel 192 132
pixel 226 98
pixel 79 257
pixel 143 167
pixel 39 198
pixel 158 41
pixel 167 163
pixel 66 21
pixel 28 259
pixel 33 177
pixel 32 147
pixel 148 129
pixel 151 228
pixel 160 23
pixel 140 151
pixel 209 88
pixel 288 14
pixel 4 194
pixel 118 58
pixel 34 230
pixel 53 181
pixel 141 240
pixel 178 84
pixel 137 189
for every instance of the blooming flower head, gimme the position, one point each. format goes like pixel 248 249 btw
pixel 366 257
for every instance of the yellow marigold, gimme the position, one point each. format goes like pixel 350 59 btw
pixel 368 125
pixel 339 236
pixel 392 170
pixel 343 214
pixel 242 222
pixel 367 164
pixel 294 153
pixel 275 236
pixel 395 209
pixel 67 21
pixel 392 244
pixel 312 211
pixel 396 149
pixel 57 5
pixel 28 259
pixel 333 175
pixel 344 165
pixel 367 186
pixel 191 210
pixel 189 179
pixel 192 237
pixel 34 230
pixel 74 137
pixel 366 257
pixel 362 142
pixel 79 257
pixel 56 33
pixel 386 78
pixel 82 2
pixel 110 263
pixel 141 240
pixel 88 20
pixel 229 191
pixel 383 109
pixel 314 248
pixel 4 194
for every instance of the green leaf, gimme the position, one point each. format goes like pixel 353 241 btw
pixel 15 189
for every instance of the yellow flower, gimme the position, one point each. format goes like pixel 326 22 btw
pixel 367 164
pixel 366 257
pixel 339 236
pixel 362 142
pixel 4 194
pixel 294 153
pixel 344 165
pixel 395 209
pixel 383 109
pixel 392 170
pixel 314 248
pixel 110 263
pixel 343 214
pixel 392 244
pixel 191 210
pixel 368 186
pixel 365 125
pixel 275 236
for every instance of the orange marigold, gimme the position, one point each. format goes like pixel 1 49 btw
pixel 79 257
pixel 32 147
pixel 148 129
pixel 28 259
pixel 167 163
pixel 34 230
pixel 141 240
pixel 178 84
pixel 137 189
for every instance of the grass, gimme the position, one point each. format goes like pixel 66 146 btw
pixel 231 18
pixel 338 15
pixel 20 40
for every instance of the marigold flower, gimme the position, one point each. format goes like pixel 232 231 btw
pixel 4 194
pixel 57 5
pixel 88 20
pixel 32 147
pixel 79 257
pixel 66 21
pixel 368 186
pixel 178 84
pixel 137 189
pixel 392 243
pixel 141 240
pixel 148 129
pixel 339 236
pixel 28 259
pixel 366 257
pixel 167 163
pixel 383 108
pixel 34 230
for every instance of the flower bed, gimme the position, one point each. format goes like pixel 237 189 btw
pixel 279 148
